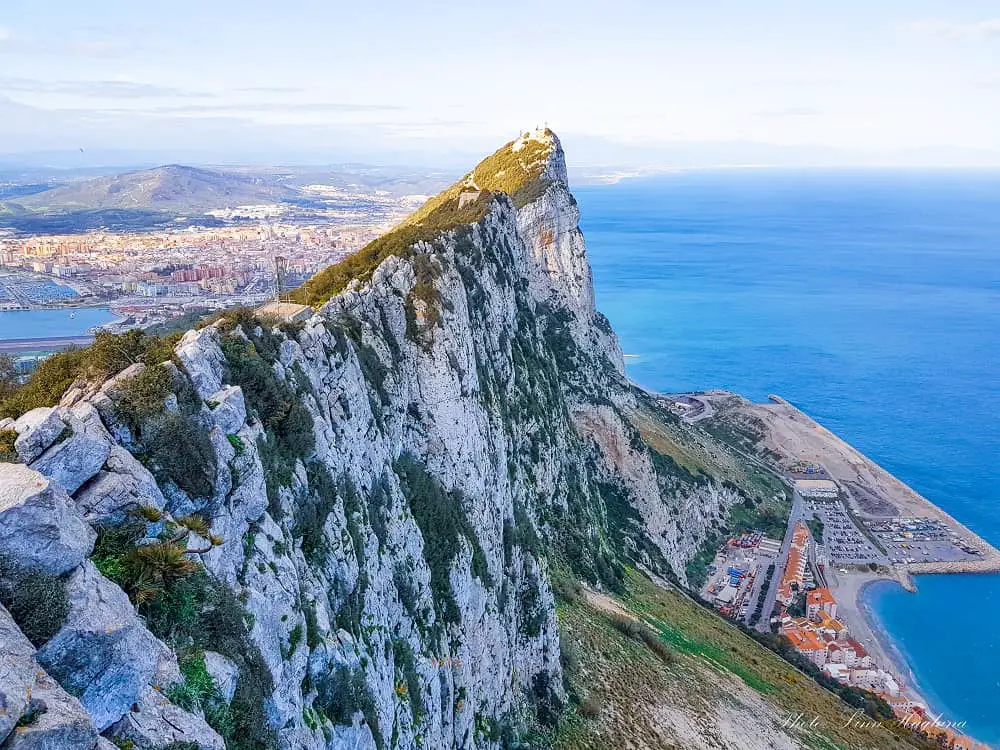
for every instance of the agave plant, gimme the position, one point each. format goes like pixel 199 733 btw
pixel 153 565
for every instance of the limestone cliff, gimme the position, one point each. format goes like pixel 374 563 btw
pixel 373 502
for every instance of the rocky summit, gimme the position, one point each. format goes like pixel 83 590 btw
pixel 436 514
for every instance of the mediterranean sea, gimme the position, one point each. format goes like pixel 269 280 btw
pixel 30 324
pixel 869 299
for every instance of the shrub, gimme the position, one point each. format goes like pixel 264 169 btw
pixel 139 398
pixel 288 424
pixel 108 355
pixel 591 706
pixel 641 632
pixel 443 524
pixel 181 452
pixel 36 600
pixel 7 452
pixel 343 694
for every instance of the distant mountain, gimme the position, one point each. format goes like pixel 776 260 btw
pixel 172 188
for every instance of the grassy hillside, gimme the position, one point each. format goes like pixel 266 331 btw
pixel 711 687
pixel 515 169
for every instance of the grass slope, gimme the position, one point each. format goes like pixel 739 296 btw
pixel 516 169
pixel 720 689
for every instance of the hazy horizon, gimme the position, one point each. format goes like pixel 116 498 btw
pixel 637 85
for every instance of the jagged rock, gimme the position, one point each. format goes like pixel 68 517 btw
pixel 203 360
pixel 126 485
pixel 154 723
pixel 36 431
pixel 229 410
pixel 481 358
pixel 104 653
pixel 17 673
pixel 73 461
pixel 39 528
pixel 52 719
pixel 224 672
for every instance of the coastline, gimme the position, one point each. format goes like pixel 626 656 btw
pixel 855 612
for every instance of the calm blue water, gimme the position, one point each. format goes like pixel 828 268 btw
pixel 28 324
pixel 871 301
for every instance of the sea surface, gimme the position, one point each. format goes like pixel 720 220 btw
pixel 28 324
pixel 869 299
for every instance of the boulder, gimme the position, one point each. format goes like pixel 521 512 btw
pixel 124 486
pixel 224 672
pixel 39 527
pixel 17 673
pixel 229 410
pixel 154 723
pixel 104 653
pixel 36 431
pixel 203 360
pixel 73 461
pixel 51 718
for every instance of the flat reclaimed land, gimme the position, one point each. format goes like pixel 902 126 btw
pixel 916 535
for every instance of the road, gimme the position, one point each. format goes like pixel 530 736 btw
pixel 797 513
pixel 51 344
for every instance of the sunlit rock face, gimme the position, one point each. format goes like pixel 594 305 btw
pixel 389 491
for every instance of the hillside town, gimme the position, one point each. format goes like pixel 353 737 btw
pixel 154 271
pixel 822 541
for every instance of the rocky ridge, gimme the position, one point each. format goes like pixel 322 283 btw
pixel 350 525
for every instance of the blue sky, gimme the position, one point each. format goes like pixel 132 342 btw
pixel 634 82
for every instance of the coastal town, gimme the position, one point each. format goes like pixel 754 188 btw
pixel 807 587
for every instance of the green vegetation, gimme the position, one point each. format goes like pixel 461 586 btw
pixel 405 663
pixel 516 173
pixel 175 443
pixel 443 525
pixel 9 382
pixel 815 525
pixel 344 693
pixel 288 425
pixel 36 600
pixel 421 227
pixel 107 356
pixel 618 686
pixel 8 454
pixel 198 692
pixel 192 612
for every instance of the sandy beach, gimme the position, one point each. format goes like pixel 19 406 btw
pixel 849 591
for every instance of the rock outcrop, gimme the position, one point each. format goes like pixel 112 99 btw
pixel 373 500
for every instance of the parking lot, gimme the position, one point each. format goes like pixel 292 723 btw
pixel 844 542
pixel 917 540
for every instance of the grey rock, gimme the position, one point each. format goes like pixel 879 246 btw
pixel 229 410
pixel 76 459
pixel 203 360
pixel 59 722
pixel 103 653
pixel 36 431
pixel 17 673
pixel 39 528
pixel 126 485
pixel 224 672
pixel 158 723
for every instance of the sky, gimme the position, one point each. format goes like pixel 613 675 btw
pixel 625 82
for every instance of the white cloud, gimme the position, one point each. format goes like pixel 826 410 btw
pixel 100 89
pixel 4 34
pixel 952 30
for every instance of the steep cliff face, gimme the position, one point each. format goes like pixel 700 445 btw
pixel 373 502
